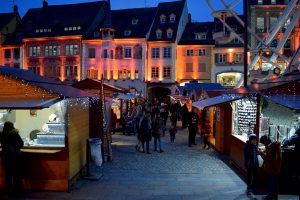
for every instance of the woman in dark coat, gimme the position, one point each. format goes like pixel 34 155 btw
pixel 145 132
pixel 11 144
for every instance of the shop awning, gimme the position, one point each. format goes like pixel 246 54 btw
pixel 225 98
pixel 19 103
pixel 46 83
pixel 289 101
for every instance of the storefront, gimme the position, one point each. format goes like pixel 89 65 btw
pixel 46 113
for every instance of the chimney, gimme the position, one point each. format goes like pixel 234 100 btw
pixel 45 4
pixel 189 18
pixel 15 9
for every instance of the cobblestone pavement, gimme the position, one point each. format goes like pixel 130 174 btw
pixel 180 173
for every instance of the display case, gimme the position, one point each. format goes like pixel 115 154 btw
pixel 244 116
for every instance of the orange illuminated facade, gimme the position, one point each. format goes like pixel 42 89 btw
pixel 56 57
pixel 194 63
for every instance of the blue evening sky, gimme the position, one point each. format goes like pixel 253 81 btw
pixel 198 8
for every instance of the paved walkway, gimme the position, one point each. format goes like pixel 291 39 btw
pixel 180 173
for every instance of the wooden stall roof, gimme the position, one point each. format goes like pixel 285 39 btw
pixel 289 101
pixel 96 84
pixel 274 84
pixel 29 103
pixel 46 83
pixel 225 98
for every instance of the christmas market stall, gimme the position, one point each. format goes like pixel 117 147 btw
pixel 104 112
pixel 268 108
pixel 53 121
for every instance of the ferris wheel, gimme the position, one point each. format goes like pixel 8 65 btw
pixel 290 14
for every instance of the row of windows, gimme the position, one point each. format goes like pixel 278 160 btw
pixel 122 74
pixel 8 53
pixel 202 67
pixel 155 52
pixel 70 49
pixel 159 33
pixel 72 28
pixel 55 71
pixel 199 52
pixel 163 18
pixel 261 2
pixel 166 72
pixel 41 30
pixel 261 23
pixel 223 58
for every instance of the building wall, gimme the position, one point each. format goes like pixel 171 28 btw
pixel 267 12
pixel 183 60
pixel 160 62
pixel 230 65
pixel 117 70
pixel 63 65
pixel 14 60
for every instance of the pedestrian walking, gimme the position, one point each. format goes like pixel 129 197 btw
pixel 144 134
pixel 113 121
pixel 184 115
pixel 272 165
pixel 11 144
pixel 193 127
pixel 172 131
pixel 251 161
pixel 157 127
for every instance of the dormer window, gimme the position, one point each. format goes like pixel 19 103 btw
pixel 163 19
pixel 169 33
pixel 134 21
pixel 158 34
pixel 172 18
pixel 200 36
pixel 127 32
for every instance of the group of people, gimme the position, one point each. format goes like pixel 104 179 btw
pixel 271 158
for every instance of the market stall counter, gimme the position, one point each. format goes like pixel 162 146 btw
pixel 53 121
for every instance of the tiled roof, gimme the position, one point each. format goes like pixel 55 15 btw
pixel 57 17
pixel 5 18
pixel 122 21
pixel 191 29
pixel 167 8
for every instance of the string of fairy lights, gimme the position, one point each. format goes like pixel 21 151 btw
pixel 32 91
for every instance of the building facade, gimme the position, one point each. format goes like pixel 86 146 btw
pixel 149 51
pixel 194 53
pixel 264 18
pixel 10 49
